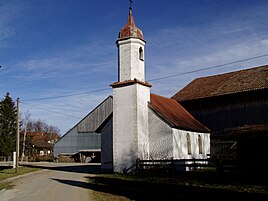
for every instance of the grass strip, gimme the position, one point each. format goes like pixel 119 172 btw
pixel 10 172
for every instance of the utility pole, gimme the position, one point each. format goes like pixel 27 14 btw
pixel 18 136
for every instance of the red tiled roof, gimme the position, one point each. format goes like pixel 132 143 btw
pixel 175 114
pixel 42 144
pixel 129 82
pixel 222 84
pixel 41 135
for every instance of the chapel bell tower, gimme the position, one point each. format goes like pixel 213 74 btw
pixel 131 95
pixel 130 45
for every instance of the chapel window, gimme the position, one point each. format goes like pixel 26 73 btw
pixel 200 144
pixel 141 55
pixel 189 144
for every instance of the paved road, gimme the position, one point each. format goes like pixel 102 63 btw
pixel 57 182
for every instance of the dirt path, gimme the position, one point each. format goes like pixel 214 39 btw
pixel 56 182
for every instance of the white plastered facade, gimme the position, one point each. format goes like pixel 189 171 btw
pixel 171 143
pixel 138 132
pixel 130 126
pixel 130 62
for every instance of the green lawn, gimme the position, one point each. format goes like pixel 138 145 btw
pixel 8 173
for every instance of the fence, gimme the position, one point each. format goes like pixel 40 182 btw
pixel 180 165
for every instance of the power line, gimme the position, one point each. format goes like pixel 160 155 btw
pixel 51 111
pixel 56 107
pixel 68 95
pixel 156 79
pixel 211 67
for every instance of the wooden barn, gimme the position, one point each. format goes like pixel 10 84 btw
pixel 82 142
pixel 235 107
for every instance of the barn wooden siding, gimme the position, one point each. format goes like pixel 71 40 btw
pixel 92 121
pixel 230 111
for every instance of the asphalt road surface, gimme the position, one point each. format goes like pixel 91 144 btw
pixel 56 182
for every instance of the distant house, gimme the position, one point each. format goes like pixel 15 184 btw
pixel 235 107
pixel 82 141
pixel 38 145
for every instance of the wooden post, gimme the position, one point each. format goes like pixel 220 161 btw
pixel 194 164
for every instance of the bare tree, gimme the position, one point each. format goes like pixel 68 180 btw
pixel 41 126
pixel 25 122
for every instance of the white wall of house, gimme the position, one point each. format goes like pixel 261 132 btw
pixel 167 142
pixel 160 137
pixel 197 150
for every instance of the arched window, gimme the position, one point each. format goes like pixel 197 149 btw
pixel 141 56
pixel 189 144
pixel 200 144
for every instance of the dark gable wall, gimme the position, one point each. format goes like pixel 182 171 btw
pixel 230 111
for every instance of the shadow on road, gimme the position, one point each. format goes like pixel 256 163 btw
pixel 79 184
pixel 87 168
pixel 154 189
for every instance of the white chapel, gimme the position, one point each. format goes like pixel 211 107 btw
pixel 145 125
pixel 133 123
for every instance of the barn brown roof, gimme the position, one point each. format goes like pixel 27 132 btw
pixel 175 114
pixel 245 130
pixel 238 81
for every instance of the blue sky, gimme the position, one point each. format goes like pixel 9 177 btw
pixel 54 53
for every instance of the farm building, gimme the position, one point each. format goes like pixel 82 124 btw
pixel 228 100
pixel 82 142
pixel 234 106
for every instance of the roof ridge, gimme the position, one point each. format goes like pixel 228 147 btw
pixel 250 79
pixel 233 72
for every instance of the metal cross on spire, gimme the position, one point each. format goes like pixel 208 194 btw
pixel 130 4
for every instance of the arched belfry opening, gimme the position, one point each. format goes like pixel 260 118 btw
pixel 141 54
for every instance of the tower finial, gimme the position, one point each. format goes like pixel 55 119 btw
pixel 130 4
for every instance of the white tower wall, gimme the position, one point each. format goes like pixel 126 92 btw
pixel 130 126
pixel 131 95
pixel 131 63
